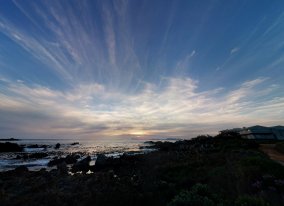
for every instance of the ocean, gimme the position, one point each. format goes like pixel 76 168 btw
pixel 84 147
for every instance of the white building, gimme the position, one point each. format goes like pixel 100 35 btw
pixel 260 132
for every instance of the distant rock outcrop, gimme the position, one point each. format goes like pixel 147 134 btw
pixel 74 143
pixel 9 139
pixel 35 146
pixel 10 147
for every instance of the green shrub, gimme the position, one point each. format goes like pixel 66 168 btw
pixel 280 147
pixel 250 201
pixel 261 165
pixel 199 195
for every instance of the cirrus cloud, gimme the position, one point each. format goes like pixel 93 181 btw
pixel 175 108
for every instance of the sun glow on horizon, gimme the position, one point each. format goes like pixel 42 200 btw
pixel 138 133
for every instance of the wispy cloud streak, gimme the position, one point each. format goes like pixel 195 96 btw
pixel 155 110
pixel 104 68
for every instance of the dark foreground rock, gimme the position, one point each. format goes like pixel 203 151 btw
pixel 10 147
pixel 211 171
pixel 62 168
pixel 82 166
pixel 69 159
pixel 101 162
pixel 21 169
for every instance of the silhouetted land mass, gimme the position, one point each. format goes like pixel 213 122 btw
pixel 9 139
pixel 205 171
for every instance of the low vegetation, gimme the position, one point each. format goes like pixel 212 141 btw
pixel 280 147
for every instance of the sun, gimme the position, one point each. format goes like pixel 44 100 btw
pixel 138 133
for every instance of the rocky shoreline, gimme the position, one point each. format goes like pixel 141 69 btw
pixel 44 154
pixel 221 170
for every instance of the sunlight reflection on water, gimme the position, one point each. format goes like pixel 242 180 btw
pixel 114 147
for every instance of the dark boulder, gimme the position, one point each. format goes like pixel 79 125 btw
pixel 57 146
pixel 101 162
pixel 34 146
pixel 10 147
pixel 38 155
pixel 83 165
pixel 71 159
pixel 62 168
pixel 104 163
pixel 24 156
pixel 18 157
pixel 55 161
pixel 74 143
pixel 21 169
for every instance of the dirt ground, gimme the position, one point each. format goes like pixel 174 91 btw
pixel 272 153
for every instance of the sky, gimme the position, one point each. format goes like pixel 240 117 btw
pixel 154 68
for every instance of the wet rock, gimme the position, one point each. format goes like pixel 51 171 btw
pixel 18 157
pixel 83 165
pixel 34 146
pixel 101 162
pixel 71 159
pixel 55 161
pixel 75 143
pixel 10 147
pixel 57 146
pixel 38 155
pixel 104 163
pixel 24 156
